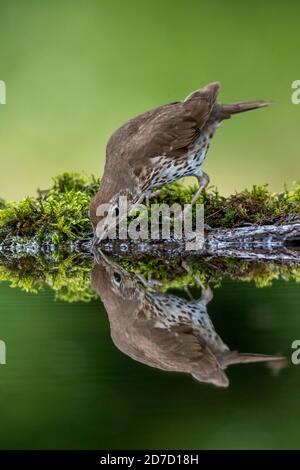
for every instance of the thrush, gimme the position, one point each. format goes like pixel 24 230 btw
pixel 163 330
pixel 162 146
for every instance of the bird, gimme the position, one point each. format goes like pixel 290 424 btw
pixel 163 330
pixel 161 146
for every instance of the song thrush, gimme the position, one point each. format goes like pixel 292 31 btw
pixel 161 146
pixel 162 330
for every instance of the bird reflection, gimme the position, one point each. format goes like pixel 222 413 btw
pixel 163 330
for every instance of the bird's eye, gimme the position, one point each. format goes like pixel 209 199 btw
pixel 117 277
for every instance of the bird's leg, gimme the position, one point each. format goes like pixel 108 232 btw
pixel 188 292
pixel 191 273
pixel 206 292
pixel 203 180
pixel 206 295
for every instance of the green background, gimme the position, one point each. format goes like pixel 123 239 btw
pixel 65 385
pixel 76 70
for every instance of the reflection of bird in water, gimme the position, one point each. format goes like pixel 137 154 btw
pixel 163 330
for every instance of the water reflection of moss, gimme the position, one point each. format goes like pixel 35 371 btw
pixel 69 276
pixel 60 214
pixel 171 274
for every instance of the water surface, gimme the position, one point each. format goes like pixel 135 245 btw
pixel 66 385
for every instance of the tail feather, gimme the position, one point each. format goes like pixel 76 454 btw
pixel 227 110
pixel 233 357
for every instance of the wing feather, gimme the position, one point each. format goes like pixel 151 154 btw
pixel 181 348
pixel 167 130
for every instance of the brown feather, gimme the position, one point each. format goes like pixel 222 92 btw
pixel 167 130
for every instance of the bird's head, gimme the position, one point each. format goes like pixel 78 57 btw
pixel 118 193
pixel 114 284
pixel 109 211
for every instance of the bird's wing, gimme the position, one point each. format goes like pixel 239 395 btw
pixel 170 129
pixel 181 348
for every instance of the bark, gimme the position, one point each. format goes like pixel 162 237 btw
pixel 267 242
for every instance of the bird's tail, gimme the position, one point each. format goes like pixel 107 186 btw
pixel 225 111
pixel 234 357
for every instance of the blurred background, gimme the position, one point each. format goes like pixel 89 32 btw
pixel 76 70
pixel 66 386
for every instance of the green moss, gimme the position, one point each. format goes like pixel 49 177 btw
pixel 68 277
pixel 255 206
pixel 60 214
pixel 56 215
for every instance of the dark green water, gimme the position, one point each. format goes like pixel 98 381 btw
pixel 66 386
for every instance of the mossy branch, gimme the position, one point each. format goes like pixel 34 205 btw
pixel 58 217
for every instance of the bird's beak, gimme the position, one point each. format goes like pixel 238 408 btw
pixel 100 234
pixel 100 257
pixel 105 258
pixel 97 252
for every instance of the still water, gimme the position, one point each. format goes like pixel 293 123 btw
pixel 67 386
